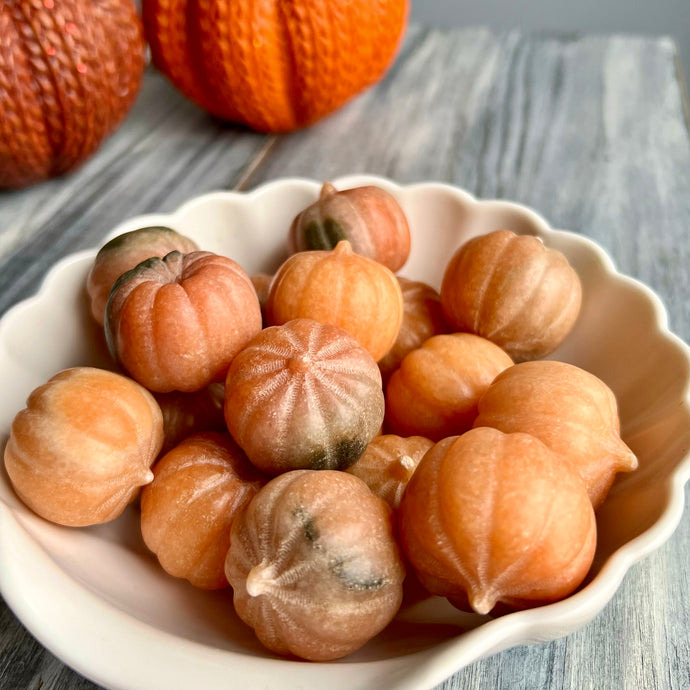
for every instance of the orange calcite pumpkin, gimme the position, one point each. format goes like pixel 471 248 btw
pixel 491 518
pixel 572 411
pixel 123 253
pixel 513 290
pixel 176 323
pixel 186 511
pixel 388 463
pixel 435 390
pixel 369 218
pixel 422 319
pixel 314 564
pixel 83 446
pixel 185 414
pixel 340 288
pixel 304 395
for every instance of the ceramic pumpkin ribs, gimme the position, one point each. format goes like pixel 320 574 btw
pixel 275 66
pixel 70 70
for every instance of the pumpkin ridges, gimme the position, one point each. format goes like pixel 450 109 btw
pixel 25 146
pixel 165 26
pixel 69 95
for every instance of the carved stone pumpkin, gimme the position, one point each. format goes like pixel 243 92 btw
pixel 70 71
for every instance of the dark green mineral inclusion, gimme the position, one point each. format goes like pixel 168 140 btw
pixel 323 236
pixel 338 566
pixel 125 237
pixel 344 453
pixel 311 533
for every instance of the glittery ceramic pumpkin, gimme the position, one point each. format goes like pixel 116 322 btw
pixel 70 70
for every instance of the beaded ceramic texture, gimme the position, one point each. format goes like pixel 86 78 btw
pixel 70 70
pixel 274 66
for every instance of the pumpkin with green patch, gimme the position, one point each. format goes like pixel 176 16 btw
pixel 314 564
pixel 123 253
pixel 368 217
pixel 303 395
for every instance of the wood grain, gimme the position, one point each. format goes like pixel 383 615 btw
pixel 588 130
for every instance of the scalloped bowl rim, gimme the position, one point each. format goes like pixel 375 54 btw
pixel 423 668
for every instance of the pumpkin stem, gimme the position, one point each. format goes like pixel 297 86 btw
pixel 327 190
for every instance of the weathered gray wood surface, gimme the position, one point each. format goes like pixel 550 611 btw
pixel 588 130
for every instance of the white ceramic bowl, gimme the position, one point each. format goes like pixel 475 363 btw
pixel 98 600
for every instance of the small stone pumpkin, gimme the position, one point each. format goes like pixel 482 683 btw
pixel 197 490
pixel 176 323
pixel 304 395
pixel 422 319
pixel 513 290
pixel 83 446
pixel 314 564
pixel 434 392
pixel 490 518
pixel 123 253
pixel 368 217
pixel 388 463
pixel 340 288
pixel 571 410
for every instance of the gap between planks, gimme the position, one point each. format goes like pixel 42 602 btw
pixel 255 163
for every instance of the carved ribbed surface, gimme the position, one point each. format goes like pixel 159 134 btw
pixel 314 565
pixel 570 410
pixel 303 395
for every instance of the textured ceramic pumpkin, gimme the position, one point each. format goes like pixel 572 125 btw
pixel 422 319
pixel 491 518
pixel 83 446
pixel 186 511
pixel 123 253
pixel 185 414
pixel 274 66
pixel 513 290
pixel 572 411
pixel 388 463
pixel 435 390
pixel 303 395
pixel 176 323
pixel 70 70
pixel 340 288
pixel 368 217
pixel 314 564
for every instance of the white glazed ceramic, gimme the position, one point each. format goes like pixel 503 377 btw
pixel 99 601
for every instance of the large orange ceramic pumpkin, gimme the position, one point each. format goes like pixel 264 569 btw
pixel 274 66
pixel 69 72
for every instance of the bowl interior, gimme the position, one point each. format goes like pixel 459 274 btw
pixel 620 336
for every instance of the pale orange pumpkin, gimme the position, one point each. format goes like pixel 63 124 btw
pixel 176 323
pixel 513 290
pixel 340 288
pixel 198 489
pixel 572 411
pixel 422 319
pixel 83 446
pixel 490 518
